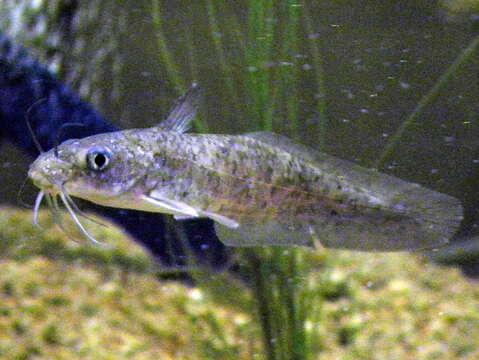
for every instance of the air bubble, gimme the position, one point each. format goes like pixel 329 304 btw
pixel 306 67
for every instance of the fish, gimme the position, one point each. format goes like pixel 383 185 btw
pixel 260 188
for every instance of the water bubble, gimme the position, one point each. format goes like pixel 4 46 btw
pixel 252 68
pixel 308 325
pixel 196 294
pixel 392 166
pixel 349 94
pixel 313 36
pixel 306 67
pixel 400 207
pixel 404 85
pixel 449 139
pixel 364 111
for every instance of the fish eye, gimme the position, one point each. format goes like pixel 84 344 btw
pixel 98 158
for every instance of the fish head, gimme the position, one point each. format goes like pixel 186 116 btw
pixel 95 168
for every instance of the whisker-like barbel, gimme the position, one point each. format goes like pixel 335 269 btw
pixel 56 213
pixel 77 221
pixel 36 208
pixel 29 126
pixel 60 132
pixel 79 211
pixel 57 216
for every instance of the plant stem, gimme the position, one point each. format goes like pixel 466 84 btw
pixel 261 26
pixel 171 68
pixel 261 295
pixel 320 77
pixel 226 69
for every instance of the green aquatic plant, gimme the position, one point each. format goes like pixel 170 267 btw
pixel 281 294
pixel 287 307
pixel 284 301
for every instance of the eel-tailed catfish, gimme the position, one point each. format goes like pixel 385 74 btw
pixel 259 188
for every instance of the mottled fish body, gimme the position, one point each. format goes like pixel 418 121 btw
pixel 259 188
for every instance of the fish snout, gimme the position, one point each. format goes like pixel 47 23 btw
pixel 39 179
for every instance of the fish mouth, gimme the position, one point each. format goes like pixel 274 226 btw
pixel 42 182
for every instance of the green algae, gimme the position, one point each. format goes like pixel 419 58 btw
pixel 361 306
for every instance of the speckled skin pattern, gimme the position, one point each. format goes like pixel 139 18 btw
pixel 257 180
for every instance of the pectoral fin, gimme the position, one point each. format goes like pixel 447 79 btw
pixel 223 220
pixel 169 206
pixel 183 217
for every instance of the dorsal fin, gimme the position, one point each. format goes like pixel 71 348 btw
pixel 180 118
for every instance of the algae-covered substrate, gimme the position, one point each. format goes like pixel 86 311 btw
pixel 62 300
